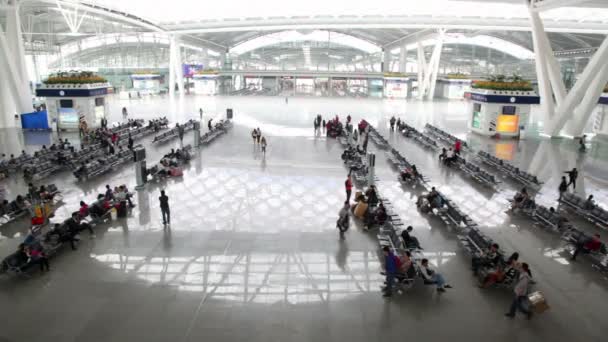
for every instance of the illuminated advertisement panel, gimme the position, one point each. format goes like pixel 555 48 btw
pixel 507 124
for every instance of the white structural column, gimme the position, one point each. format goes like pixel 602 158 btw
pixel 15 98
pixel 175 66
pixel 386 58
pixel 544 87
pixel 402 59
pixel 435 68
pixel 428 79
pixel 422 70
pixel 589 102
pixel 564 112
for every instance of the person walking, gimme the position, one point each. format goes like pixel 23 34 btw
pixel 209 124
pixel 392 122
pixel 521 293
pixel 180 133
pixel 200 113
pixel 259 134
pixel 581 143
pixel 563 186
pixel 348 185
pixel 344 218
pixel 254 135
pixel 390 268
pixel 263 144
pixel 124 113
pixel 130 142
pixel 572 174
pixel 164 207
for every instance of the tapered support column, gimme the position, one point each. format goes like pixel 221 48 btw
pixel 402 59
pixel 16 97
pixel 587 105
pixel 175 66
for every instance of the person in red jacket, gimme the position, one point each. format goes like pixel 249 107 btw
pixel 592 245
pixel 457 147
pixel 348 185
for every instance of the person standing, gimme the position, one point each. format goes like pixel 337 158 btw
pixel 259 134
pixel 457 146
pixel 254 135
pixel 200 113
pixel 180 133
pixel 572 174
pixel 124 113
pixel 344 218
pixel 582 146
pixel 563 186
pixel 393 120
pixel 263 143
pixel 391 268
pixel 209 124
pixel 164 207
pixel 348 185
pixel 521 293
pixel 130 142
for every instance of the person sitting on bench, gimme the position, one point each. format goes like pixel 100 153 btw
pixel 75 227
pixel 36 256
pixel 409 241
pixel 561 219
pixel 371 195
pixel 433 277
pixel 407 266
pixel 409 173
pixel 520 199
pixel 451 158
pixel 4 208
pixel 490 258
pixel 84 210
pixel 18 259
pixel 505 273
pixel 443 155
pixel 587 245
pixel 589 203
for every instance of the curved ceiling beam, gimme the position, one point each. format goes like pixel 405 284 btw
pixel 411 22
pixel 296 36
pixel 102 11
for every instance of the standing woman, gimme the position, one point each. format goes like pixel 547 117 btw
pixel 254 135
pixel 124 112
pixel 348 186
pixel 263 145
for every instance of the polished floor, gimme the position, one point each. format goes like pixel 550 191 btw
pixel 252 252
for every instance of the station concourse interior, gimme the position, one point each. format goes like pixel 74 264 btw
pixel 252 251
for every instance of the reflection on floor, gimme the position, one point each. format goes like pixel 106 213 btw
pixel 253 253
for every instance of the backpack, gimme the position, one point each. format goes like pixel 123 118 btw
pixel 397 262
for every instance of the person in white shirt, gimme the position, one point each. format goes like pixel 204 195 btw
pixel 521 293
pixel 433 276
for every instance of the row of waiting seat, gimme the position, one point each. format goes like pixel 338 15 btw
pixel 588 210
pixel 552 219
pixel 477 173
pixel 173 133
pixel 419 137
pixel 17 208
pixel 219 129
pixel 50 241
pixel 377 138
pixel 445 136
pixel 510 170
pixel 102 165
